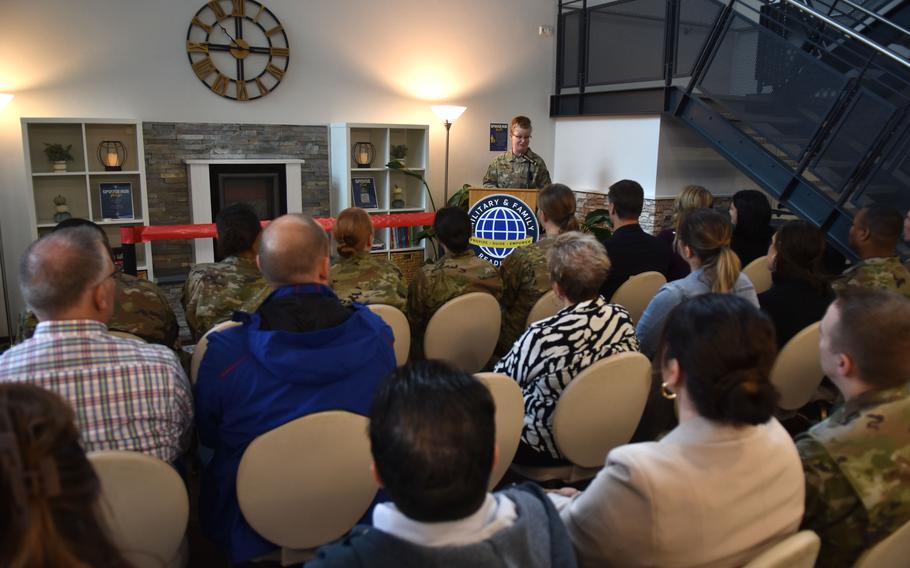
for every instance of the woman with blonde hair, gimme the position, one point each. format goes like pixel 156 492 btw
pixel 360 276
pixel 704 241
pixel 691 198
pixel 524 272
pixel 48 489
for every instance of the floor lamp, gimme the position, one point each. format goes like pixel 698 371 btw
pixel 449 114
pixel 4 100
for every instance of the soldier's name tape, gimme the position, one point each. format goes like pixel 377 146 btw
pixel 495 243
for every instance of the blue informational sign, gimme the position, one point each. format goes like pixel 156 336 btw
pixel 499 136
pixel 116 200
pixel 499 224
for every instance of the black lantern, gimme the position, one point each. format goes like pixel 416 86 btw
pixel 112 154
pixel 362 153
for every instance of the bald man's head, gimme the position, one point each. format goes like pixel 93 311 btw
pixel 294 250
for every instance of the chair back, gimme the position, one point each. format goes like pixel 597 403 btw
pixel 796 551
pixel 635 293
pixel 892 552
pixel 144 504
pixel 203 344
pixel 510 415
pixel 125 335
pixel 464 331
pixel 307 482
pixel 759 273
pixel 400 329
pixel 546 306
pixel 601 408
pixel 797 372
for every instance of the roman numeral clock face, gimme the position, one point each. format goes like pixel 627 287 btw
pixel 238 49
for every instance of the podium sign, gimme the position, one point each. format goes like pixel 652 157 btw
pixel 502 219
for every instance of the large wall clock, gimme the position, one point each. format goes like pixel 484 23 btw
pixel 238 49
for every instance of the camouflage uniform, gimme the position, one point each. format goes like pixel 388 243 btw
pixel 451 276
pixel 525 279
pixel 368 279
pixel 525 171
pixel 857 465
pixel 886 273
pixel 140 308
pixel 213 292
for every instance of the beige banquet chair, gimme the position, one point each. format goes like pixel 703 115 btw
pixel 892 552
pixel 759 273
pixel 301 503
pixel 203 344
pixel 796 551
pixel 636 292
pixel 546 306
pixel 797 372
pixel 145 505
pixel 464 331
pixel 400 329
pixel 597 412
pixel 125 335
pixel 510 415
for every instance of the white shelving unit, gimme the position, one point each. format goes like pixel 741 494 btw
pixel 383 137
pixel 80 184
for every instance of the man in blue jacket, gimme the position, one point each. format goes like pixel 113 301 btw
pixel 301 352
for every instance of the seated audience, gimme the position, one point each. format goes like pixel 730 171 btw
pixel 140 307
pixel 692 197
pixel 359 276
pixel 301 352
pixel 721 487
pixel 873 236
pixel 750 214
pixel 704 241
pixel 856 460
pixel 799 294
pixel 432 434
pixel 554 350
pixel 631 250
pixel 457 273
pixel 213 292
pixel 49 492
pixel 127 395
pixel 524 272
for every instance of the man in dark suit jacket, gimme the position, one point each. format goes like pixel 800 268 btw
pixel 631 250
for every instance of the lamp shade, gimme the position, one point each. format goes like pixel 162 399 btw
pixel 448 113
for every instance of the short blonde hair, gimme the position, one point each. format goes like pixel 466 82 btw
pixel 579 264
pixel 691 197
pixel 352 231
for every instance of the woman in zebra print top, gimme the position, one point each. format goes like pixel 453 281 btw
pixel 554 350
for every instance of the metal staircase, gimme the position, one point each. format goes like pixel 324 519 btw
pixel 809 98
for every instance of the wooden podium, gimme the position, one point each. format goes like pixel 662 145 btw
pixel 529 196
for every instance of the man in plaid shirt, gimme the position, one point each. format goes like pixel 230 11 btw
pixel 127 395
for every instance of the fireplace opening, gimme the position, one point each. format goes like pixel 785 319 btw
pixel 262 186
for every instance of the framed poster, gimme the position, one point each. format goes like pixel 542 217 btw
pixel 363 191
pixel 117 200
pixel 499 136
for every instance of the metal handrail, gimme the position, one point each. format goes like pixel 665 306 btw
pixel 875 16
pixel 845 30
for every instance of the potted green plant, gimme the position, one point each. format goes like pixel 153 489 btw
pixel 398 152
pixel 58 155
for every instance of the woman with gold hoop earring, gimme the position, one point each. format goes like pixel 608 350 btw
pixel 722 486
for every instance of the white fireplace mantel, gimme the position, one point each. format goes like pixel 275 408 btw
pixel 201 195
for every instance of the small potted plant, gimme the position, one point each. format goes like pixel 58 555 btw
pixel 399 152
pixel 59 155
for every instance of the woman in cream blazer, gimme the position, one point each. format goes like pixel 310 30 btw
pixel 721 487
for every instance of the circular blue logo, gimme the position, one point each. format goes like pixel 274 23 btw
pixel 501 223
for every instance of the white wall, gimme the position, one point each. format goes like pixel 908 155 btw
pixel 593 153
pixel 352 60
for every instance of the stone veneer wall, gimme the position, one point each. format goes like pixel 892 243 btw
pixel 168 144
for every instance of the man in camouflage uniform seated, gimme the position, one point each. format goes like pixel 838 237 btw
pixel 140 307
pixel 457 273
pixel 213 292
pixel 856 461
pixel 518 167
pixel 874 235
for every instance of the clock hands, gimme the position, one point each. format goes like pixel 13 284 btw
pixel 234 41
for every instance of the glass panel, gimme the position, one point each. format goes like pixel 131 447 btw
pixel 571 28
pixel 888 185
pixel 626 42
pixel 696 18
